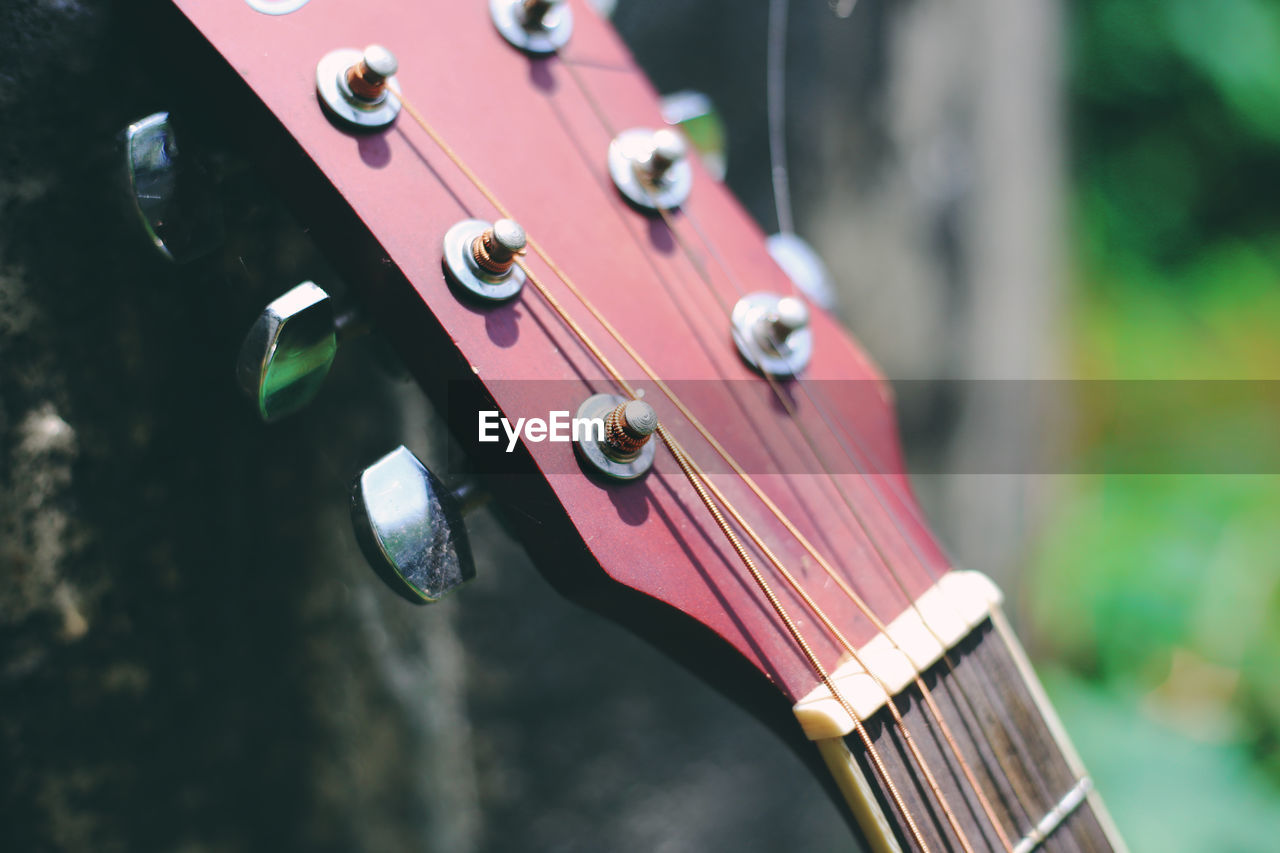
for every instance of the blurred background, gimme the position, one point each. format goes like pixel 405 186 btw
pixel 1153 601
pixel 194 657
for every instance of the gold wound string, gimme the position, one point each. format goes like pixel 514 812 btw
pixel 935 711
pixel 695 477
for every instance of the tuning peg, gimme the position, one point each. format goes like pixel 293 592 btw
pixel 803 266
pixel 410 527
pixel 695 114
pixel 173 196
pixel 288 351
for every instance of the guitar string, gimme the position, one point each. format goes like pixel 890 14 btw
pixel 757 541
pixel 702 485
pixel 890 702
pixel 691 470
pixel 775 85
pixel 775 103
pixel 679 455
pixel 775 71
pixel 794 584
pixel 827 621
pixel 951 687
pixel 1022 797
pixel 917 676
pixel 935 711
pixel 849 647
pixel 775 95
pixel 947 734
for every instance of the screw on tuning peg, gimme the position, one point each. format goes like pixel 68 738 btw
pixel 410 527
pixel 173 196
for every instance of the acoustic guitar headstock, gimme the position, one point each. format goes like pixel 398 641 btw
pixel 497 185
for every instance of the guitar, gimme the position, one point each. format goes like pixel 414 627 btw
pixel 685 443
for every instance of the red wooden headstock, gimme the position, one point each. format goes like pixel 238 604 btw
pixel 534 130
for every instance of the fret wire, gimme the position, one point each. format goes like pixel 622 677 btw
pixel 696 478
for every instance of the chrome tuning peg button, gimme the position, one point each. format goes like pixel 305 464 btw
pixel 772 333
pixel 410 528
pixel 803 266
pixel 288 351
pixel 174 198
pixel 534 26
pixel 696 116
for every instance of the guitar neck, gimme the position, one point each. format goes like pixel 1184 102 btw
pixel 1009 737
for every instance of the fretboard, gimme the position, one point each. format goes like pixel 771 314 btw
pixel 1034 784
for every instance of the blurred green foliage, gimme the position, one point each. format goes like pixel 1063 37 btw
pixel 1175 126
pixel 1159 595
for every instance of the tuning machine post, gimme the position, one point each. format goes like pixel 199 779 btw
pixel 538 27
pixel 651 168
pixel 772 333
pixel 480 258
pixel 358 88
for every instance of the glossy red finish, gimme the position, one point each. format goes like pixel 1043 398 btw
pixel 526 127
